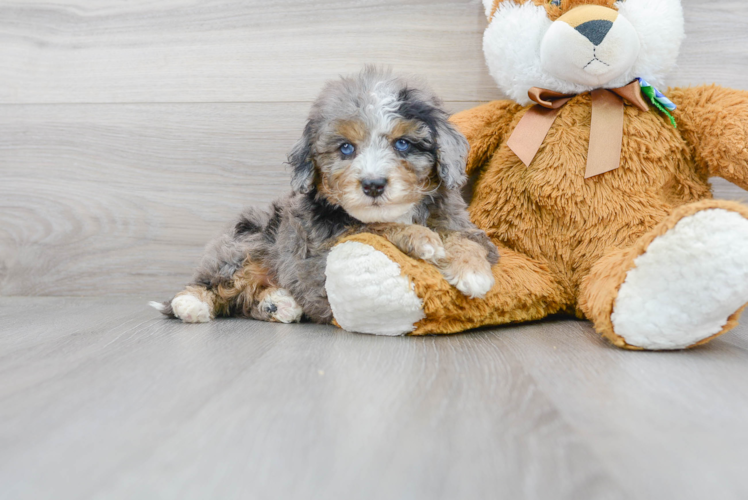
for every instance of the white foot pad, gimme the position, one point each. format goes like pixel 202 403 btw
pixel 687 284
pixel 190 309
pixel 286 308
pixel 367 292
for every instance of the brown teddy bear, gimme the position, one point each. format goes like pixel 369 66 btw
pixel 593 184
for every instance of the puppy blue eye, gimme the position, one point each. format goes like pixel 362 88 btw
pixel 402 145
pixel 347 149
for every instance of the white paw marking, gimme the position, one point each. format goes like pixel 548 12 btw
pixel 190 309
pixel 432 252
pixel 474 284
pixel 287 310
pixel 427 251
pixel 687 284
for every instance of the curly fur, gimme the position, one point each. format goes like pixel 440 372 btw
pixel 512 43
pixel 571 244
pixel 286 246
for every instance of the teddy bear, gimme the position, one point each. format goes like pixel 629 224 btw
pixel 592 183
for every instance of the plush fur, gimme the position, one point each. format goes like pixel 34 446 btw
pixel 377 155
pixel 518 29
pixel 572 245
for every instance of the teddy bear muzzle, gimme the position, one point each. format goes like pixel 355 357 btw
pixel 590 45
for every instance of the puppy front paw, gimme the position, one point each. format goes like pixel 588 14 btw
pixel 431 251
pixel 474 284
pixel 190 309
pixel 468 267
pixel 425 244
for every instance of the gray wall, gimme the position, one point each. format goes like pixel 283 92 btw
pixel 131 131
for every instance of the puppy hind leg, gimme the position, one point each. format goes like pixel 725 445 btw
pixel 277 305
pixel 242 294
pixel 195 304
pixel 199 304
pixel 252 294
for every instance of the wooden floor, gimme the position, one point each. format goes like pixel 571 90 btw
pixel 102 398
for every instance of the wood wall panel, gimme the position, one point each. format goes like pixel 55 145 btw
pixel 224 51
pixel 130 131
pixel 260 51
pixel 117 199
pixel 121 199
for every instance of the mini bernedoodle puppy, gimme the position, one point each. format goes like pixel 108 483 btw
pixel 377 155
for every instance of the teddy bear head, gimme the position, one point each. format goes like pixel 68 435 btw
pixel 575 46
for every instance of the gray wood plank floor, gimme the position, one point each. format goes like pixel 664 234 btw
pixel 101 398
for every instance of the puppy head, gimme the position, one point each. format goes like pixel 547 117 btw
pixel 574 46
pixel 377 146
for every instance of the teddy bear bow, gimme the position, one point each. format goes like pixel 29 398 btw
pixel 606 127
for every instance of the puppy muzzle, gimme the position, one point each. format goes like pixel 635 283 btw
pixel 374 188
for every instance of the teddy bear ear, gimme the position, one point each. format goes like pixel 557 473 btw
pixel 490 7
pixel 661 29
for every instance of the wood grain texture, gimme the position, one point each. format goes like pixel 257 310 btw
pixel 231 51
pixel 121 199
pixel 228 51
pixel 96 199
pixel 100 398
pixel 658 404
pixel 199 103
pixel 716 45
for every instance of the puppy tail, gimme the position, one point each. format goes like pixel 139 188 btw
pixel 163 307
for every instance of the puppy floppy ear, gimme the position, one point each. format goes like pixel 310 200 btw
pixel 452 149
pixel 302 164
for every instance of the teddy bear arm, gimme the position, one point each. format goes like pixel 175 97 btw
pixel 714 122
pixel 375 288
pixel 486 127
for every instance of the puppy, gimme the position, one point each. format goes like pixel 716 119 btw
pixel 377 155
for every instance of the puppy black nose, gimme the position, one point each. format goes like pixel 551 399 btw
pixel 595 31
pixel 374 187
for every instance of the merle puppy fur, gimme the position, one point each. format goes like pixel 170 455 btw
pixel 377 155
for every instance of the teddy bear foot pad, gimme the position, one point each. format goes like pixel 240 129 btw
pixel 367 292
pixel 688 285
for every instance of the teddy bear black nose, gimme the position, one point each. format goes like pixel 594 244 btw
pixel 595 31
pixel 374 187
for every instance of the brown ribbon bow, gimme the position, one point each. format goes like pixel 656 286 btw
pixel 606 129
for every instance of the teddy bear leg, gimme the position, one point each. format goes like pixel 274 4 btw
pixel 374 288
pixel 681 285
